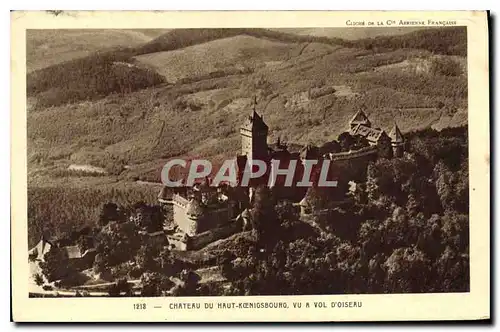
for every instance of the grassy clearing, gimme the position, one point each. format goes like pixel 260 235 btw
pixel 237 52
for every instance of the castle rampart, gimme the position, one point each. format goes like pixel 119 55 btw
pixel 370 150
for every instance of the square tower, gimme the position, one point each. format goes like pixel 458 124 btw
pixel 254 137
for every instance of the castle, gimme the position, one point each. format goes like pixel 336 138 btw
pixel 202 211
pixel 360 125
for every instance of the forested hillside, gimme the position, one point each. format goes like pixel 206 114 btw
pixel 100 74
pixel 128 110
pixel 88 78
pixel 407 231
pixel 446 41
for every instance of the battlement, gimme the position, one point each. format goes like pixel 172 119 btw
pixel 178 200
pixel 370 150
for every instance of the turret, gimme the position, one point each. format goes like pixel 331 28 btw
pixel 397 141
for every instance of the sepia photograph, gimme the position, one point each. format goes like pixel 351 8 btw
pixel 240 162
pixel 108 109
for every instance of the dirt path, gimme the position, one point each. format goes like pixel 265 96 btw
pixel 87 168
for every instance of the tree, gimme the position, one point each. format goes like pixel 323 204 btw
pixel 118 242
pixel 452 187
pixel 317 198
pixel 145 257
pixel 100 264
pixel 455 230
pixel 371 238
pixel 109 212
pixel 225 262
pixel 372 184
pixel 85 242
pixel 328 147
pixel 264 220
pixel 156 220
pixel 140 215
pixel 258 86
pixel 407 271
pixel 119 287
pixel 190 281
pixel 445 66
pixel 412 206
pixel 452 269
pixel 346 141
pixel 38 279
pixel 155 284
pixel 56 265
pixel 32 257
pixel 113 290
pixel 168 264
pixel 286 213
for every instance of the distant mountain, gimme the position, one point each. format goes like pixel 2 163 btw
pixel 113 108
pixel 180 38
pixel 88 78
pixel 350 33
pixel 237 54
pixel 52 46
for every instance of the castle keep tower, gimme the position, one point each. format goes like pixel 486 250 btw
pixel 254 137
pixel 397 141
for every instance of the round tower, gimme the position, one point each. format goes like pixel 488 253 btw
pixel 397 141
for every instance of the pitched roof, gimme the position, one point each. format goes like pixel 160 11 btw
pixel 371 134
pixel 255 122
pixel 395 135
pixel 41 248
pixel 72 251
pixel 360 118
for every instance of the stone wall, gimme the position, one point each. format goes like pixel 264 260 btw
pixel 199 241
pixel 352 165
pixel 186 224
pixel 84 262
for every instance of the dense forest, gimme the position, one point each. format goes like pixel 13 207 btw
pixel 446 41
pixel 59 211
pixel 406 230
pixel 88 78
